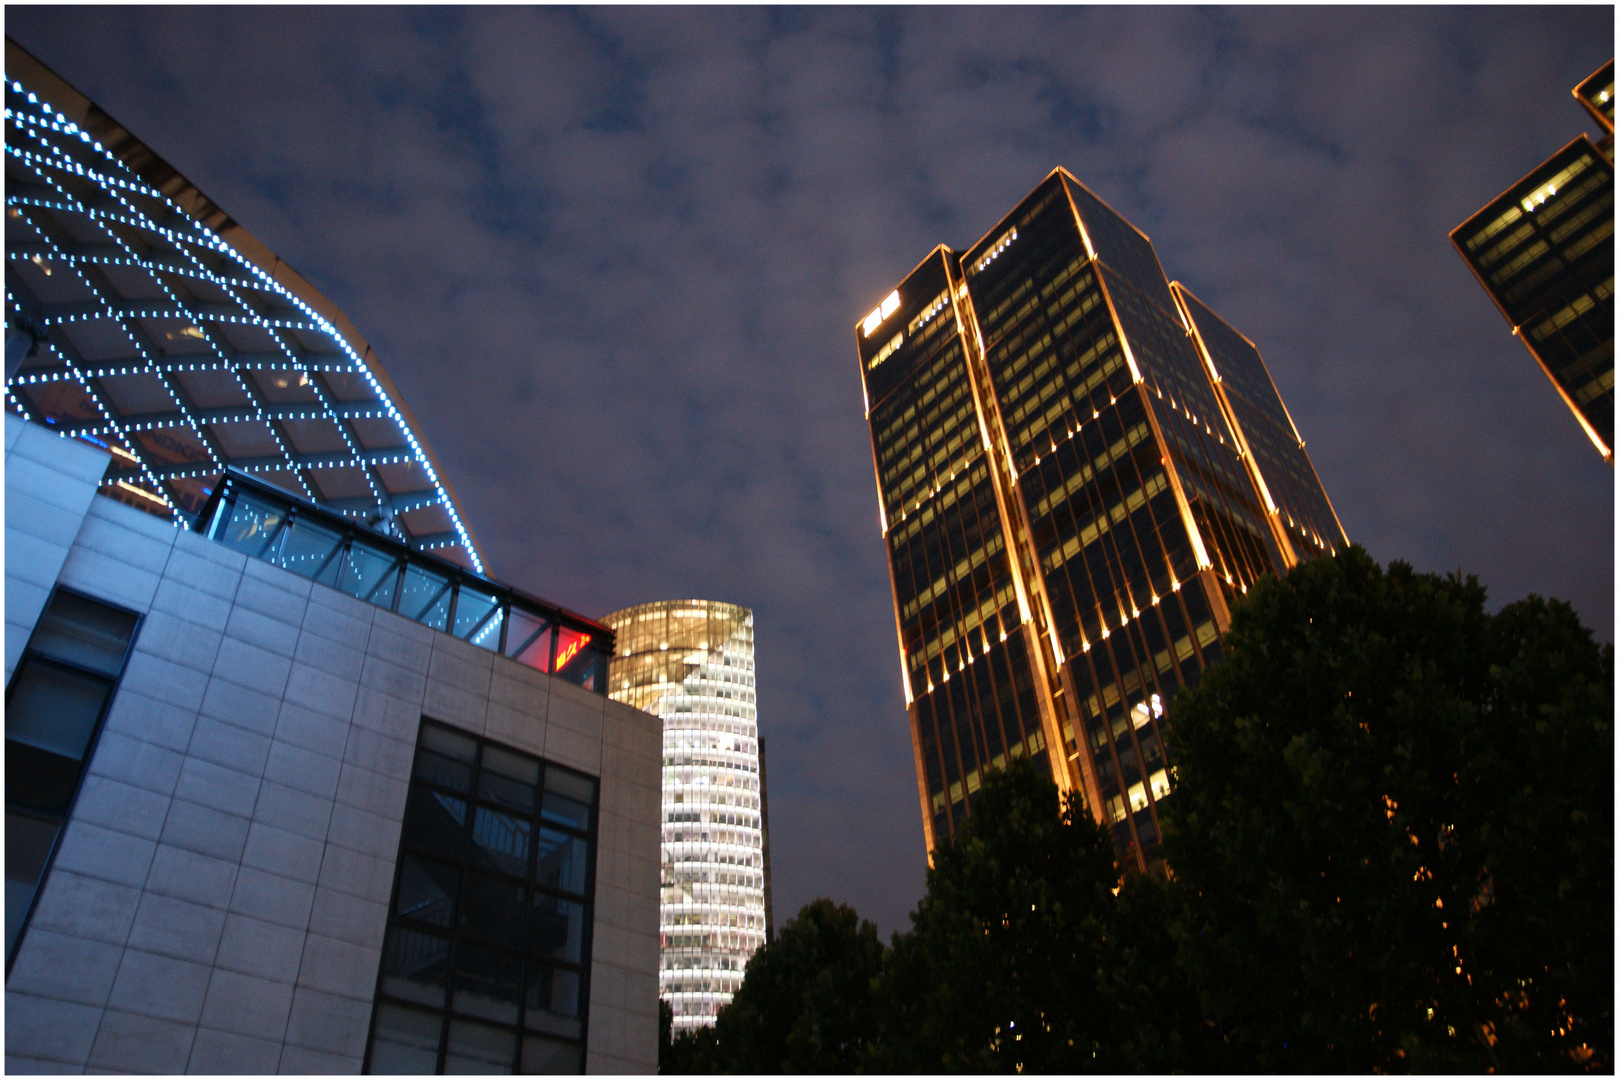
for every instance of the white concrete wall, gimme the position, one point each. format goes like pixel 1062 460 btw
pixel 219 899
pixel 49 484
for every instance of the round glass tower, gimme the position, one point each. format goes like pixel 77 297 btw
pixel 690 662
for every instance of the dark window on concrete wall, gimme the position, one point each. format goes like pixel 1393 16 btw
pixel 486 960
pixel 55 704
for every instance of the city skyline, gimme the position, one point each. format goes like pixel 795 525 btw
pixel 615 284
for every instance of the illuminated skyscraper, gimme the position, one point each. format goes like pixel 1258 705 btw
pixel 690 662
pixel 1079 466
pixel 1543 250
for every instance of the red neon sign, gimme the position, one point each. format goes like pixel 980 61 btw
pixel 568 650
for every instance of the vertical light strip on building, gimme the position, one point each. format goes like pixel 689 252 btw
pixel 690 662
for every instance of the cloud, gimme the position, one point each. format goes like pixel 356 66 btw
pixel 613 259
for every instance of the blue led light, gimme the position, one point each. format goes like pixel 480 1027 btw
pixel 117 179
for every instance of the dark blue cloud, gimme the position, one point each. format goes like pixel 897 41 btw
pixel 613 258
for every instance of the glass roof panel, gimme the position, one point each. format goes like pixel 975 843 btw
pixel 148 284
pixel 190 492
pixel 349 386
pixel 72 225
pixel 131 282
pixel 246 439
pixel 377 433
pixel 100 343
pixel 176 447
pixel 403 477
pixel 281 385
pixel 138 394
pixel 65 401
pixel 213 388
pixel 285 479
pixel 248 338
pixel 348 482
pixel 177 337
pixel 314 436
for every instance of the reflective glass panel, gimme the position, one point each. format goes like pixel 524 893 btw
pixel 486 983
pixel 405 1041
pixel 370 574
pixel 426 892
pixel 509 779
pixel 415 967
pixel 492 910
pixel 476 1049
pixel 568 797
pixel 435 822
pixel 252 527
pixel 28 846
pixel 501 840
pixel 445 758
pixel 425 597
pixel 477 617
pixel 83 632
pixel 576 657
pixel 469 944
pixel 556 928
pixel 528 639
pixel 548 989
pixel 54 708
pixel 311 552
pixel 542 1056
pixel 561 861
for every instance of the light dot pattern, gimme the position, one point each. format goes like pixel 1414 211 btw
pixel 160 342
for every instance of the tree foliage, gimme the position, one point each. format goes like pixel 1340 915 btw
pixel 1393 827
pixel 1015 961
pixel 805 1001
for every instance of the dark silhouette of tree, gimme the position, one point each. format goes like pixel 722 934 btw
pixel 805 1001
pixel 1393 827
pixel 1021 959
pixel 691 1051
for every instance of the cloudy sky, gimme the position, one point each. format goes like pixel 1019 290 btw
pixel 613 259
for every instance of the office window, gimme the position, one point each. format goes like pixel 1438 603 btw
pixel 55 703
pixel 486 960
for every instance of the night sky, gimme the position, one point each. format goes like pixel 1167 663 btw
pixel 613 259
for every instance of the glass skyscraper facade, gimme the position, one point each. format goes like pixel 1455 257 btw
pixel 1079 467
pixel 690 662
pixel 1543 250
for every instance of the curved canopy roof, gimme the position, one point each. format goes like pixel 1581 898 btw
pixel 143 319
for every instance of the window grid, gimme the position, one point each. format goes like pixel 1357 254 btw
pixel 259 520
pixel 486 959
pixel 43 783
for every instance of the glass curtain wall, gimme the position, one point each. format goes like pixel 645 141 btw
pixel 690 662
pixel 1068 504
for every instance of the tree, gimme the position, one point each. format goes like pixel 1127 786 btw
pixel 691 1051
pixel 1002 970
pixel 1393 822
pixel 804 1005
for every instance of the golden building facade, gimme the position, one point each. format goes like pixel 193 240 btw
pixel 1079 467
pixel 1543 250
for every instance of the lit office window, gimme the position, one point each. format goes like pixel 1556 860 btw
pixel 55 703
pixel 487 954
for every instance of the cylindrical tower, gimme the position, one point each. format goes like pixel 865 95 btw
pixel 690 662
